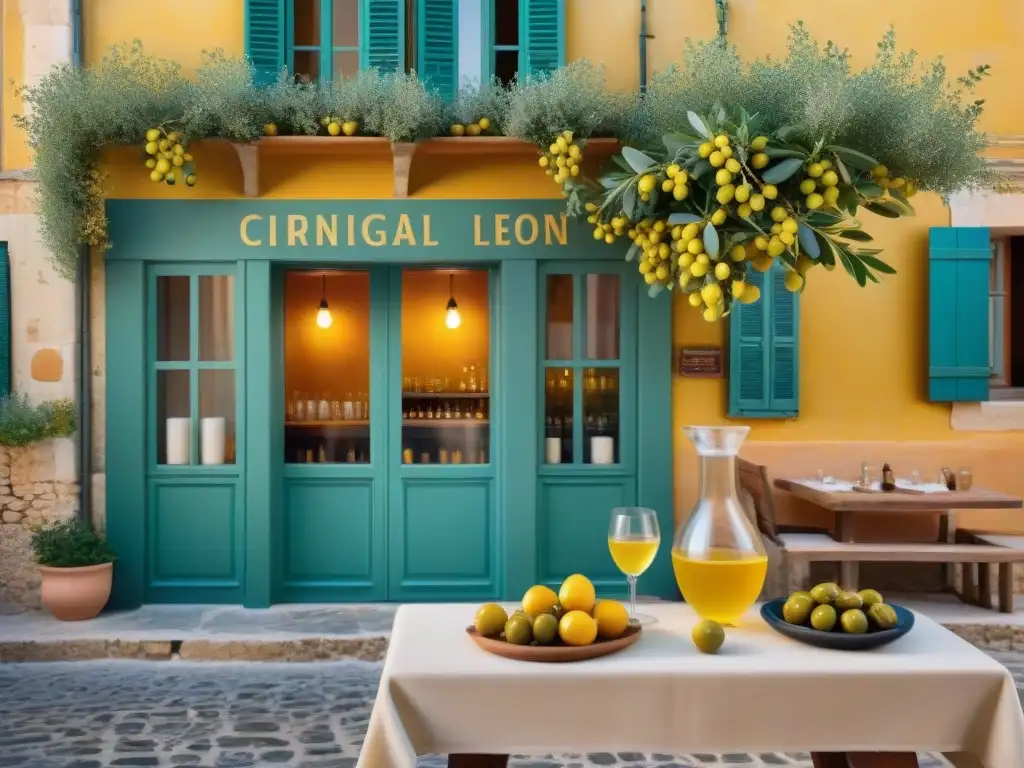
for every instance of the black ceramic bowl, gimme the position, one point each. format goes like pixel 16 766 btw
pixel 771 612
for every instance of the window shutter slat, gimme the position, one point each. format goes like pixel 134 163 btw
pixel 265 38
pixel 959 260
pixel 748 363
pixel 764 350
pixel 544 49
pixel 784 397
pixel 438 45
pixel 5 321
pixel 385 35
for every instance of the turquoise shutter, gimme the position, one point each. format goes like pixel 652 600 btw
pixel 5 321
pixel 385 35
pixel 76 33
pixel 265 37
pixel 437 45
pixel 543 44
pixel 959 368
pixel 764 360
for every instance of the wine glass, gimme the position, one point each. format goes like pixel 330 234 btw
pixel 633 539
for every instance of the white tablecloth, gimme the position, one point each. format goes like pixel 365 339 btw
pixel 928 692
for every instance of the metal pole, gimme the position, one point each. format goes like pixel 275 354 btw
pixel 643 46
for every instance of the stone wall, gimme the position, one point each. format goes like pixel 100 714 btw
pixel 37 487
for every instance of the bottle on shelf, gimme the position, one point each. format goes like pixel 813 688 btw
pixel 457 414
pixel 472 379
pixel 311 409
pixel 357 409
pixel 366 405
pixel 323 408
pixel 323 454
pixel 479 410
pixel 483 378
pixel 464 381
pixel 347 410
pixel 447 410
pixel 299 413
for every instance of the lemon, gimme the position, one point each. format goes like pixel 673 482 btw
pixel 577 594
pixel 716 158
pixel 698 269
pixel 787 237
pixel 349 127
pixel 815 201
pixel 711 293
pixel 661 272
pixel 153 134
pixel 163 166
pixel 178 161
pixel 490 620
pixel 188 157
pixel 484 123
pixel 695 246
pixel 719 216
pixel 458 129
pixel 673 170
pixel 152 148
pixel 695 299
pixel 779 214
pixel 879 171
pixel 164 145
pixel 710 314
pixel 577 627
pixel 814 170
pixel 612 619
pixel 776 247
pixel 723 177
pixel 334 129
pixel 646 183
pixel 725 194
pixel 708 636
pixel 760 160
pixel 668 185
pixel 829 178
pixel 575 152
pixel 831 195
pixel 738 288
pixel 757 202
pixel 151 163
pixel 790 225
pixel 473 129
pixel 794 281
pixel 742 193
pixel 690 231
pixel 722 271
pixel 761 243
pixel 750 294
pixel 721 140
pixel 539 599
pixel 705 149
pixel 680 192
pixel 732 165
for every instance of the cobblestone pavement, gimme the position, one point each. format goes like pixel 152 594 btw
pixel 125 714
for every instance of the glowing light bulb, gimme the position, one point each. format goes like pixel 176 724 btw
pixel 323 315
pixel 452 319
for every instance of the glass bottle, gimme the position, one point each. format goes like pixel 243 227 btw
pixel 346 407
pixel 357 409
pixel 465 378
pixel 457 413
pixel 479 411
pixel 311 409
pixel 300 407
pixel 472 378
pixel 366 405
pixel 447 410
pixel 323 408
pixel 718 557
pixel 483 378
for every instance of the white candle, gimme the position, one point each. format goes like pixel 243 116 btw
pixel 212 430
pixel 553 450
pixel 602 450
pixel 179 440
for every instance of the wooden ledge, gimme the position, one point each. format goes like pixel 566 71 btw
pixel 403 153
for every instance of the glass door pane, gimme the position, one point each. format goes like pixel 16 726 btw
pixel 446 323
pixel 327 367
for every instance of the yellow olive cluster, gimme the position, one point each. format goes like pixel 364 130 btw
pixel 166 156
pixel 735 183
pixel 881 176
pixel 472 129
pixel 676 183
pixel 336 126
pixel 563 158
pixel 821 186
pixel 608 231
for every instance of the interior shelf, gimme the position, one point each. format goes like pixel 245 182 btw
pixel 445 423
pixel 446 395
pixel 314 424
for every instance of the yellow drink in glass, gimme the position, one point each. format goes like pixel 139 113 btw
pixel 633 556
pixel 720 584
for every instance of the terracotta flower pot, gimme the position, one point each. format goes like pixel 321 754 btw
pixel 76 594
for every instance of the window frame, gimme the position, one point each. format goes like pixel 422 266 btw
pixel 490 48
pixel 326 49
pixel 1000 330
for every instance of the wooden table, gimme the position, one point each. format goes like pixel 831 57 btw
pixel 845 504
pixel 930 691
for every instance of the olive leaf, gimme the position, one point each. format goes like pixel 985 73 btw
pixel 683 218
pixel 631 253
pixel 781 171
pixel 782 152
pixel 712 244
pixel 853 157
pixel 883 208
pixel 876 264
pixel 698 124
pixel 808 242
pixel 655 289
pixel 855 234
pixel 637 160
pixel 843 172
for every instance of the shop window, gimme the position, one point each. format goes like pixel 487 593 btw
pixel 1006 319
pixel 325 39
pixel 446 366
pixel 194 369
pixel 526 37
pixel 327 367
pixel 582 369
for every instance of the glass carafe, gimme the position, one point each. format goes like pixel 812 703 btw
pixel 718 556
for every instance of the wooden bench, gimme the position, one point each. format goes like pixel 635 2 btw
pixel 976 578
pixel 799 547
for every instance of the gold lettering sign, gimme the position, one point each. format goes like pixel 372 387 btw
pixel 401 231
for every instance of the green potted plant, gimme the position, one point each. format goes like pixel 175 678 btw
pixel 77 568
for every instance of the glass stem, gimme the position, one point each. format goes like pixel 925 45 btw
pixel 632 597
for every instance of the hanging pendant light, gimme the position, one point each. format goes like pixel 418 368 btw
pixel 451 315
pixel 323 315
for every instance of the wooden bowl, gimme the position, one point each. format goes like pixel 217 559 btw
pixel 555 654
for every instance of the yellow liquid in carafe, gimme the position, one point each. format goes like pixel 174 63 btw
pixel 722 584
pixel 633 556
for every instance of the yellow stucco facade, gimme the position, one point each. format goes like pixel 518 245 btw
pixel 863 351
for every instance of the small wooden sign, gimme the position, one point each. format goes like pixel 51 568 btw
pixel 700 362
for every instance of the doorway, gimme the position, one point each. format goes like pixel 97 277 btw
pixel 387 442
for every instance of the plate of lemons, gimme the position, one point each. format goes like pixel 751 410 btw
pixel 829 617
pixel 568 625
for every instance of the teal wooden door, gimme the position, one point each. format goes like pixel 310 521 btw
pixel 332 529
pixel 588 409
pixel 444 541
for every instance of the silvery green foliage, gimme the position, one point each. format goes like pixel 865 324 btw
pixel 402 109
pixel 224 101
pixel 476 100
pixel 574 98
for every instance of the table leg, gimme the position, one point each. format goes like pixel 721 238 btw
pixel 849 572
pixel 864 760
pixel 947 535
pixel 477 761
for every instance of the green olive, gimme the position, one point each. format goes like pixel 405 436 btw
pixel 846 601
pixel 825 594
pixel 823 618
pixel 883 615
pixel 870 597
pixel 802 593
pixel 708 636
pixel 519 630
pixel 797 609
pixel 490 620
pixel 854 622
pixel 545 629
